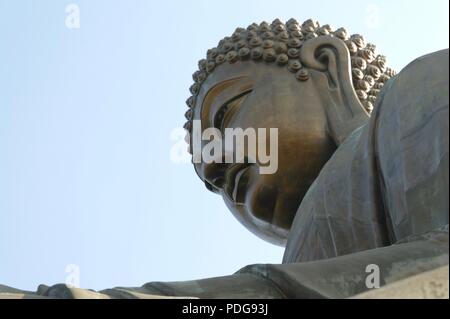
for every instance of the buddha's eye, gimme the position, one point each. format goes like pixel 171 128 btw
pixel 224 113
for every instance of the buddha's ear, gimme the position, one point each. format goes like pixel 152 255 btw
pixel 331 56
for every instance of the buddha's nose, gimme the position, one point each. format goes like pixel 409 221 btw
pixel 214 174
pixel 212 170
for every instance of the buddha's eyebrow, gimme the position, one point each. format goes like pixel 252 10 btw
pixel 221 94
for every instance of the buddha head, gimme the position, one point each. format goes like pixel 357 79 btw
pixel 315 85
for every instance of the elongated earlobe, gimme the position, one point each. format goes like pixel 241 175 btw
pixel 331 56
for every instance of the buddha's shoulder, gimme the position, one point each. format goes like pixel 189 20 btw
pixel 423 83
pixel 439 58
pixel 414 98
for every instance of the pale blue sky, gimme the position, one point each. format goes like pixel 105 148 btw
pixel 85 122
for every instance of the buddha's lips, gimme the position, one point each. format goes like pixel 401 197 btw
pixel 232 177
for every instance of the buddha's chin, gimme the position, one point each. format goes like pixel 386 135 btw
pixel 249 217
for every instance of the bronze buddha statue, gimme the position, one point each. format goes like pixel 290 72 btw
pixel 362 173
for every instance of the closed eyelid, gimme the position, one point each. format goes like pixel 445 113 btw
pixel 220 95
pixel 220 115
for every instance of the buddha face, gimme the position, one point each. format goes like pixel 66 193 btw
pixel 263 96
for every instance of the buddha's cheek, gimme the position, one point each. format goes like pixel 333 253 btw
pixel 261 200
pixel 286 209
